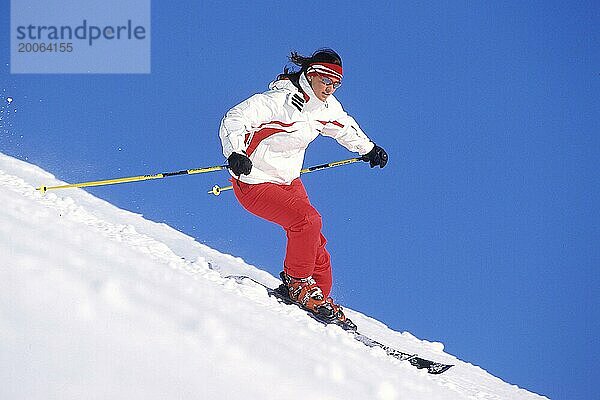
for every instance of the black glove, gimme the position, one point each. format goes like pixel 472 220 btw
pixel 377 156
pixel 239 164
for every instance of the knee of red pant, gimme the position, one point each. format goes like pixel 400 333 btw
pixel 311 220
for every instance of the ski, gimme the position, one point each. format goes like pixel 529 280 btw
pixel 281 295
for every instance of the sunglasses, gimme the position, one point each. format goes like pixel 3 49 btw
pixel 328 81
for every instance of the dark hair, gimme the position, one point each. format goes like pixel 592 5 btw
pixel 325 55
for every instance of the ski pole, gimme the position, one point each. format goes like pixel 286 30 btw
pixel 134 178
pixel 216 190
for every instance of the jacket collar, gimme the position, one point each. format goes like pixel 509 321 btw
pixel 312 102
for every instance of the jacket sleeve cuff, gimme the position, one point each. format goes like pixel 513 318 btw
pixel 366 149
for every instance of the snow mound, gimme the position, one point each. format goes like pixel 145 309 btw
pixel 97 302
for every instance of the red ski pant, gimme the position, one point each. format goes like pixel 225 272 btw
pixel 289 207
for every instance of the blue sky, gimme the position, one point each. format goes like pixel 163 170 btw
pixel 482 232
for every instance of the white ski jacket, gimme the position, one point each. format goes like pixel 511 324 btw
pixel 274 129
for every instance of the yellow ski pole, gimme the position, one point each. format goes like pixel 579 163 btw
pixel 216 190
pixel 133 178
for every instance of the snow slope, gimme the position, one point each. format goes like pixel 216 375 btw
pixel 99 303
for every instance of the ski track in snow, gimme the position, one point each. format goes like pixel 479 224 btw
pixel 97 302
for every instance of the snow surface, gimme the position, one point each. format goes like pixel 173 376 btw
pixel 99 303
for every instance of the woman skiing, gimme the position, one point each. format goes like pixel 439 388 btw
pixel 264 139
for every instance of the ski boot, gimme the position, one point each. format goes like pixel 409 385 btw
pixel 303 291
pixel 335 312
pixel 306 293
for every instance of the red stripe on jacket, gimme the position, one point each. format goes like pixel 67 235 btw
pixel 264 133
pixel 336 123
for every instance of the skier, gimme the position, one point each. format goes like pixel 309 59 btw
pixel 264 139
